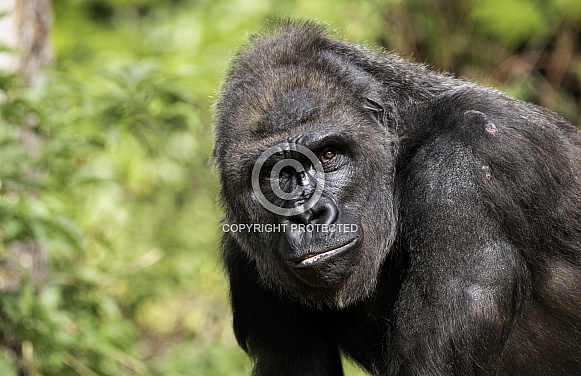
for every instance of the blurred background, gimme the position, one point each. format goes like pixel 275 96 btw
pixel 109 223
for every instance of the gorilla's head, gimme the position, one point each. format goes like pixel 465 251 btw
pixel 306 161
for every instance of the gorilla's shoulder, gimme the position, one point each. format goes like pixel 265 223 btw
pixel 490 122
pixel 517 149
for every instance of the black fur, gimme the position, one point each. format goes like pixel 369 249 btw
pixel 466 259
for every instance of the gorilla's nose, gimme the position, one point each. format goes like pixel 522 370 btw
pixel 324 212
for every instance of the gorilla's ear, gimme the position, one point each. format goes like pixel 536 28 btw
pixel 377 111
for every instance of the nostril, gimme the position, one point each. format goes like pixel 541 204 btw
pixel 303 218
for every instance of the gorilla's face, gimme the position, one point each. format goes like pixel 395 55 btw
pixel 304 187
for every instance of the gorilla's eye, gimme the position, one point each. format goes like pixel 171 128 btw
pixel 327 155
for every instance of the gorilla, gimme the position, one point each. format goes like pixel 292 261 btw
pixel 416 223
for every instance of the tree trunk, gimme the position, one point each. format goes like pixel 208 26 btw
pixel 24 51
pixel 24 29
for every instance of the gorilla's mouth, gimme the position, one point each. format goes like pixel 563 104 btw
pixel 320 258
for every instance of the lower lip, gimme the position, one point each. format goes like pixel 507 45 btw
pixel 321 257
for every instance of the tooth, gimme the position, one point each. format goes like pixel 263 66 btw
pixel 311 259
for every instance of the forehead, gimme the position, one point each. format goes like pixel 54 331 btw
pixel 288 98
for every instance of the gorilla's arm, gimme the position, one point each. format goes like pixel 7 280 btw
pixel 466 280
pixel 282 337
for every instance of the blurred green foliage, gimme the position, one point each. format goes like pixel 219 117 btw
pixel 106 164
